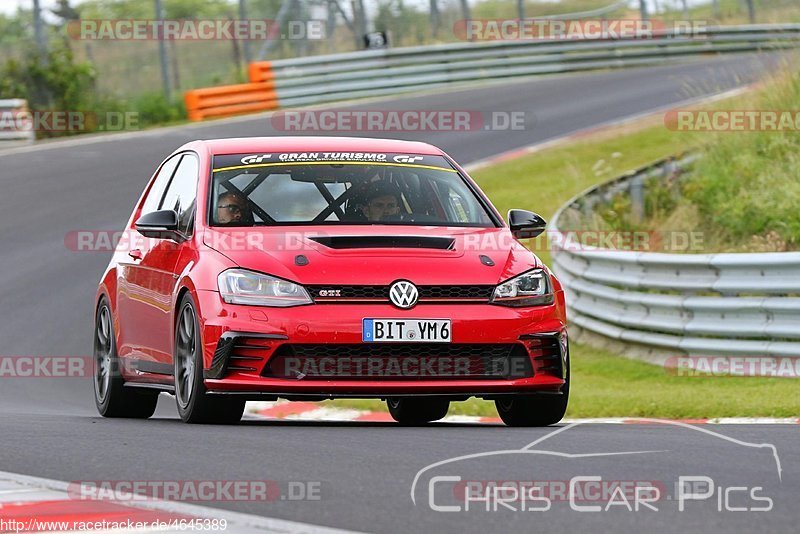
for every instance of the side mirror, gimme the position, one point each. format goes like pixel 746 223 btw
pixel 159 225
pixel 525 224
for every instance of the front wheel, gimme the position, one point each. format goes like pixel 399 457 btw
pixel 536 410
pixel 532 410
pixel 194 404
pixel 410 411
pixel 111 396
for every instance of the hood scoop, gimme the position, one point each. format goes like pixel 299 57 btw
pixel 389 241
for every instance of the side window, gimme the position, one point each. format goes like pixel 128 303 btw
pixel 459 204
pixel 156 192
pixel 181 194
pixel 459 207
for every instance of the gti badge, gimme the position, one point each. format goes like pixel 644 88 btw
pixel 403 294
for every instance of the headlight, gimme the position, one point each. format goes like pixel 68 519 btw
pixel 528 289
pixel 238 286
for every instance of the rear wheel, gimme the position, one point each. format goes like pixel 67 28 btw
pixel 417 411
pixel 194 404
pixel 111 396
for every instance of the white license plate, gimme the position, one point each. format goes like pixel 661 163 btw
pixel 407 330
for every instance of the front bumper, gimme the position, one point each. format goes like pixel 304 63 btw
pixel 243 345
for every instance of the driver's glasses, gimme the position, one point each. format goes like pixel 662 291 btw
pixel 232 208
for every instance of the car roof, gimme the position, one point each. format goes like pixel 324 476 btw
pixel 241 145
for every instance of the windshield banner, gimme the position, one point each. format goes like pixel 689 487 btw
pixel 243 161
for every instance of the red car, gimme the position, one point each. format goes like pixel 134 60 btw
pixel 312 268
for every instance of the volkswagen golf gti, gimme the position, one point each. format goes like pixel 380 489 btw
pixel 312 268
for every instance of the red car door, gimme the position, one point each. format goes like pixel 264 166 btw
pixel 151 280
pixel 131 272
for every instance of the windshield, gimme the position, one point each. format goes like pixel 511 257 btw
pixel 341 188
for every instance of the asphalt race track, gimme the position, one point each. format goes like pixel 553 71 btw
pixel 50 427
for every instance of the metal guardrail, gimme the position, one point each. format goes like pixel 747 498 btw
pixel 321 79
pixel 599 12
pixel 15 122
pixel 736 304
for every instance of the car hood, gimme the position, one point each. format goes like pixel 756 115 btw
pixel 376 255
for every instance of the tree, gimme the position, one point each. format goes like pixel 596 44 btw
pixel 65 12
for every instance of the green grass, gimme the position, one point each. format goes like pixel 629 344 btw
pixel 747 187
pixel 735 12
pixel 742 196
pixel 606 385
pixel 544 181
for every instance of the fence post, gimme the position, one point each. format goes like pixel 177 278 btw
pixel 751 11
pixel 245 42
pixel 162 54
pixel 637 198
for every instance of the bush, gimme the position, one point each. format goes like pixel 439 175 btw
pixel 58 82
pixel 153 108
pixel 54 82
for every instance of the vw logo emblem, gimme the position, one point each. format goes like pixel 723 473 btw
pixel 403 294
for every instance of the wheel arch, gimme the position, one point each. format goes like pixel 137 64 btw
pixel 187 287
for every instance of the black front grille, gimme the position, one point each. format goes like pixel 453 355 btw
pixel 399 361
pixel 456 292
pixel 332 293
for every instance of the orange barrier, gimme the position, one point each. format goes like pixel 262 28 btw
pixel 230 100
pixel 260 71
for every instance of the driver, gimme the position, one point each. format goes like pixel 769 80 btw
pixel 382 200
pixel 232 210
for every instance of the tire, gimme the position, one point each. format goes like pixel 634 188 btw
pixel 194 404
pixel 111 396
pixel 534 410
pixel 413 411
